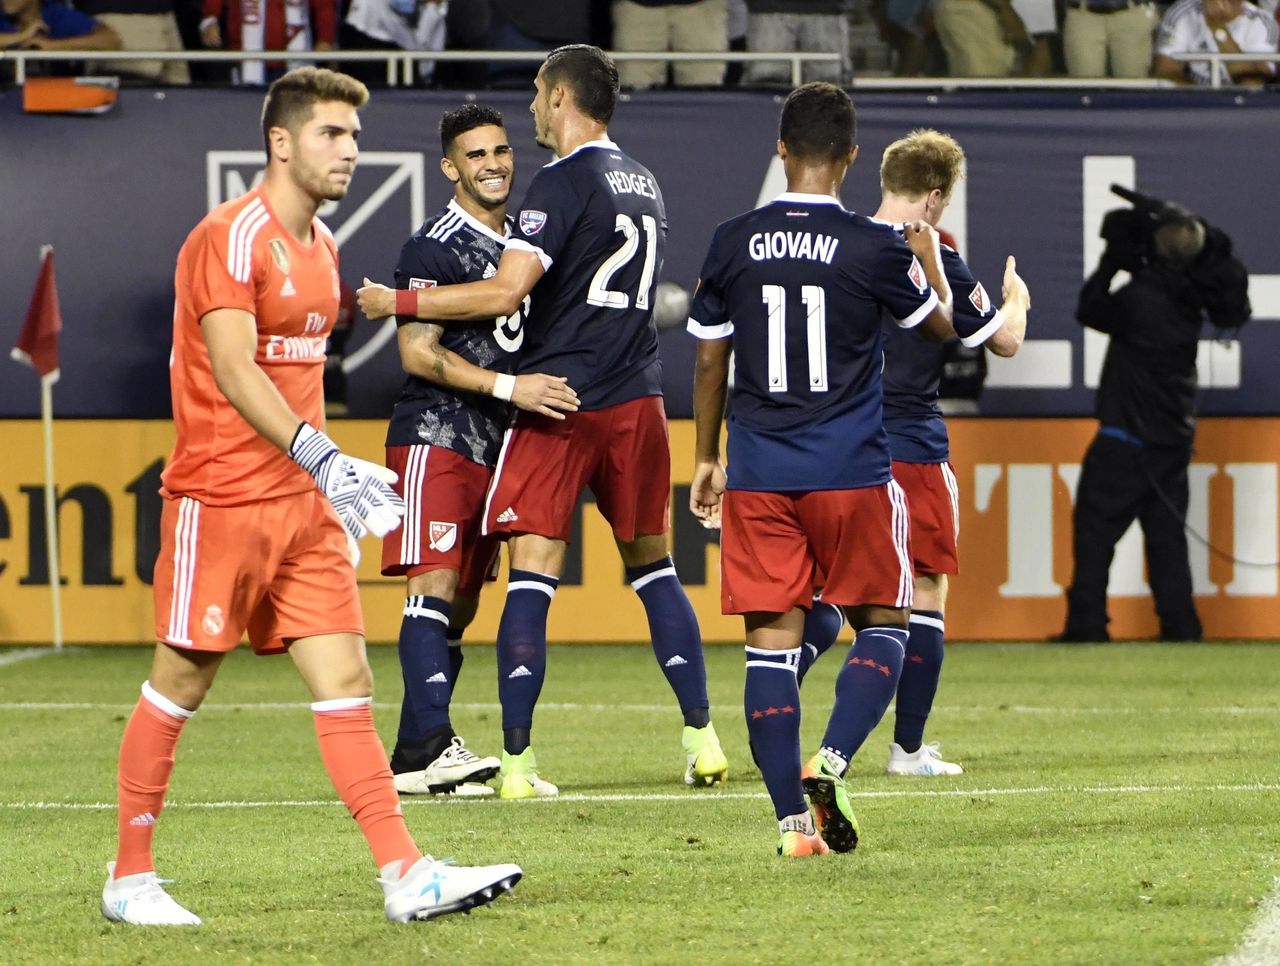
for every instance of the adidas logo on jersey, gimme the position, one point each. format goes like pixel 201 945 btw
pixel 520 672
pixel 146 818
pixel 675 661
pixel 438 678
pixel 287 288
pixel 508 516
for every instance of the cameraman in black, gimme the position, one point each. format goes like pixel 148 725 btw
pixel 1183 272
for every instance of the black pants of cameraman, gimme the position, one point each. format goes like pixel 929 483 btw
pixel 1121 482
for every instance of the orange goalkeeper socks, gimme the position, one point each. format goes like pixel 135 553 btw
pixel 146 762
pixel 357 764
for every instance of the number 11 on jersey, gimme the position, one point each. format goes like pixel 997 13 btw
pixel 814 299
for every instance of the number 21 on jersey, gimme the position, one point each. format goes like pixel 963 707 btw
pixel 599 292
pixel 814 300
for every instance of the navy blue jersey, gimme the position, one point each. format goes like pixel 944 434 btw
pixel 800 284
pixel 596 220
pixel 453 247
pixel 913 368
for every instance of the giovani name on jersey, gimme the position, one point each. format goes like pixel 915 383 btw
pixel 792 244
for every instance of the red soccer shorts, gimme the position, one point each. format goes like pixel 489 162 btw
pixel 621 452
pixel 444 498
pixel 279 569
pixel 773 545
pixel 934 500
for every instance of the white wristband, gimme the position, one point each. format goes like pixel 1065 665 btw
pixel 504 385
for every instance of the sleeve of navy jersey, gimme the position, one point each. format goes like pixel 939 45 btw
pixel 898 282
pixel 547 216
pixel 708 315
pixel 425 264
pixel 975 318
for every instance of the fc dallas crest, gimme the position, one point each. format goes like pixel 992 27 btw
pixel 442 536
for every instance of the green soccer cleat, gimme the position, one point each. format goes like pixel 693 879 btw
pixel 831 809
pixel 706 763
pixel 520 778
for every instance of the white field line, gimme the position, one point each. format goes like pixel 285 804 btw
pixel 693 796
pixel 24 654
pixel 1261 944
pixel 645 708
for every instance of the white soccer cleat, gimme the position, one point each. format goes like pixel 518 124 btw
pixel 455 768
pixel 431 888
pixel 924 762
pixel 140 900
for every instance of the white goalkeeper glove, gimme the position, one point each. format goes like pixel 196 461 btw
pixel 359 490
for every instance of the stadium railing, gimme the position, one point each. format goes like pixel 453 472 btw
pixel 400 64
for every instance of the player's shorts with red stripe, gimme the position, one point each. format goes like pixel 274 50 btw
pixel 621 452
pixel 278 568
pixel 444 500
pixel 934 500
pixel 773 546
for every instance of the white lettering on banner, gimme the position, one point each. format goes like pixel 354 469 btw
pixel 1031 534
pixel 1254 528
pixel 289 348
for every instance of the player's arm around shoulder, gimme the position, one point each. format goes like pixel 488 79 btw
pixel 231 337
pixel 422 355
pixel 927 247
pixel 1007 339
pixel 518 272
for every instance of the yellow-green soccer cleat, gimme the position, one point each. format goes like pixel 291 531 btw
pixel 706 763
pixel 520 777
pixel 798 845
pixel 831 809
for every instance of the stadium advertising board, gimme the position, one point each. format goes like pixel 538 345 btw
pixel 1016 482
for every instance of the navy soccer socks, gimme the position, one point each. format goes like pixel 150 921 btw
pixel 821 628
pixel 428 683
pixel 865 686
pixel 522 653
pixel 919 684
pixel 677 642
pixel 771 701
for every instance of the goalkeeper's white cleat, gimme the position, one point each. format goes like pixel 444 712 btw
pixel 140 900
pixel 431 888
pixel 925 762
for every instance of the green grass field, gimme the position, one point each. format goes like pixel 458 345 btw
pixel 1119 806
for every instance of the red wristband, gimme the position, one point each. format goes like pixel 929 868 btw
pixel 407 302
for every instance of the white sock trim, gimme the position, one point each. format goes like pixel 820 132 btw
pixel 158 700
pixel 413 610
pixel 340 704
pixel 641 582
pixel 791 656
pixel 928 621
pixel 531 585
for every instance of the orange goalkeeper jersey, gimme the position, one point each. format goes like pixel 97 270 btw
pixel 241 257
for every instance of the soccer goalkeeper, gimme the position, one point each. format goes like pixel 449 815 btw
pixel 262 511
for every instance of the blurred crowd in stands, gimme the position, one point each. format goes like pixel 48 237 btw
pixel 905 38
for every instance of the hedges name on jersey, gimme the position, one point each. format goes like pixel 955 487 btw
pixel 453 247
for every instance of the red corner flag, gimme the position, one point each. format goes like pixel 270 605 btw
pixel 38 342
